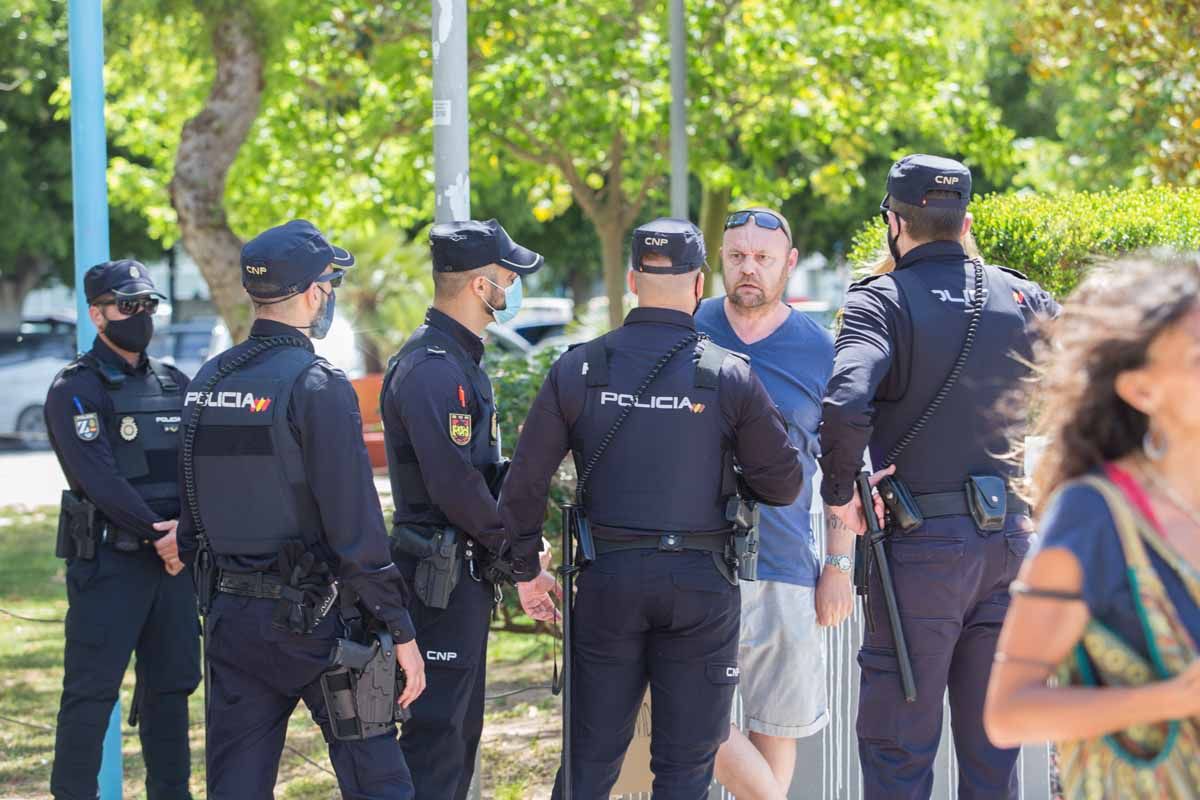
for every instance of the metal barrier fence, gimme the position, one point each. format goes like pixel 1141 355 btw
pixel 827 763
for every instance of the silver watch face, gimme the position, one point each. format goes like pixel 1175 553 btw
pixel 841 562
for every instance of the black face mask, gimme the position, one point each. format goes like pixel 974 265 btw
pixel 132 334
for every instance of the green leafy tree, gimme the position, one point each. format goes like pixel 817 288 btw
pixel 35 159
pixel 1131 112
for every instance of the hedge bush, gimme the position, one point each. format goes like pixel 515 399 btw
pixel 1051 238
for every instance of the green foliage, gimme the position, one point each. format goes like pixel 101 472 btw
pixel 389 289
pixel 516 380
pixel 1052 238
pixel 1130 115
pixel 35 150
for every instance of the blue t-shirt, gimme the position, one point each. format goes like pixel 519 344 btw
pixel 1079 521
pixel 794 364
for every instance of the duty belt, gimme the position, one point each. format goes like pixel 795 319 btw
pixel 667 543
pixel 953 504
pixel 261 585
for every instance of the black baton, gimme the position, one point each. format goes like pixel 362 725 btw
pixel 567 570
pixel 876 536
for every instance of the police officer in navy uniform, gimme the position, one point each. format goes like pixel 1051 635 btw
pixel 660 604
pixel 443 444
pixel 113 419
pixel 278 489
pixel 903 333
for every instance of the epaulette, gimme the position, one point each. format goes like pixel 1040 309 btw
pixel 1012 271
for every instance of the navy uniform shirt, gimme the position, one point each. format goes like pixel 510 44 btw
pixel 874 366
pixel 89 466
pixel 770 464
pixel 324 417
pixel 420 405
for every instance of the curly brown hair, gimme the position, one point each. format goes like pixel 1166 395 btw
pixel 1106 327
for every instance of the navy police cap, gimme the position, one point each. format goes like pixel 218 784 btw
pixel 124 278
pixel 470 244
pixel 286 259
pixel 914 176
pixel 677 239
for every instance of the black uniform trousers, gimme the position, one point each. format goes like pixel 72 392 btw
pixel 670 620
pixel 124 603
pixel 442 738
pixel 952 589
pixel 257 675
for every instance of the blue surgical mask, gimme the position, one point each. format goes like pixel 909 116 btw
pixel 324 319
pixel 513 296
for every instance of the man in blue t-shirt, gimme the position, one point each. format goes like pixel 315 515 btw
pixel 782 650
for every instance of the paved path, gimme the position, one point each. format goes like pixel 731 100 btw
pixel 32 478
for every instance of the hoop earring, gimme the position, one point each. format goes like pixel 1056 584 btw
pixel 1155 447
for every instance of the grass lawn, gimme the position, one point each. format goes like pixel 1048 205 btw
pixel 521 732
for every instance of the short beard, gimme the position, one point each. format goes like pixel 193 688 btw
pixel 767 298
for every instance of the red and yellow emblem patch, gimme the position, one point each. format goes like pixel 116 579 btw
pixel 460 429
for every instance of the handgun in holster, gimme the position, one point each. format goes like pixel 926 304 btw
pixel 439 561
pixel 742 513
pixel 361 688
pixel 77 523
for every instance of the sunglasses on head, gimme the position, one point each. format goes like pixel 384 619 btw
pixel 763 219
pixel 334 279
pixel 132 305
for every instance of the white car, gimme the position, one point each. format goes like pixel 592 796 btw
pixel 28 364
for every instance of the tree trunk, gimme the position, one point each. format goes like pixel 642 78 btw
pixel 207 148
pixel 714 208
pixel 612 250
pixel 15 286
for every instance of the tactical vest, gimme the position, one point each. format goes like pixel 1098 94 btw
pixel 408 487
pixel 143 429
pixel 249 468
pixel 668 469
pixel 966 435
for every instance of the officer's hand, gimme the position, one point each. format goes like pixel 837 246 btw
pixel 167 547
pixel 535 597
pixel 851 514
pixel 835 596
pixel 408 656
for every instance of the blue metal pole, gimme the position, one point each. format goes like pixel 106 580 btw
pixel 89 161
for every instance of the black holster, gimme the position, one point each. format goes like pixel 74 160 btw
pixel 904 515
pixel 77 527
pixel 439 561
pixel 361 688
pixel 742 552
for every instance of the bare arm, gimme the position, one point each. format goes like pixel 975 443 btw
pixel 1038 634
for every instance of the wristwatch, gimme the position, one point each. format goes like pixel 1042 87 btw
pixel 843 563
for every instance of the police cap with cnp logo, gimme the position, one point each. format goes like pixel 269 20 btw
pixel 286 259
pixel 124 278
pixel 913 177
pixel 469 244
pixel 676 239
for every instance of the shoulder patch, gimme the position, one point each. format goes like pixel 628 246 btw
pixel 87 426
pixel 460 429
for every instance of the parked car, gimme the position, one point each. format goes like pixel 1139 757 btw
pixel 186 345
pixel 29 360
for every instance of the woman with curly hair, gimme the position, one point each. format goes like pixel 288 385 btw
pixel 1098 651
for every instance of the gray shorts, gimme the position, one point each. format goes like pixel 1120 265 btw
pixel 782 656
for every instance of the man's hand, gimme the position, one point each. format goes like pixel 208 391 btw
pixel 535 597
pixel 408 656
pixel 850 516
pixel 835 596
pixel 544 556
pixel 166 546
